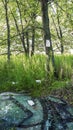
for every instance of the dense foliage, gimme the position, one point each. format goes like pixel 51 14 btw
pixel 29 74
pixel 21 28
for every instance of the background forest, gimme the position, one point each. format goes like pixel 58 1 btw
pixel 36 46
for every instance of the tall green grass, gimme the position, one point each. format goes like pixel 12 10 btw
pixel 64 66
pixel 21 72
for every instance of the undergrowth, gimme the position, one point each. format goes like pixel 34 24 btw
pixel 29 74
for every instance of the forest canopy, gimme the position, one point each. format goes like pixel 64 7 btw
pixel 22 30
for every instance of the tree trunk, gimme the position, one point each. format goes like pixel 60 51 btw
pixel 33 40
pixel 60 31
pixel 47 35
pixel 8 27
pixel 27 42
pixel 21 35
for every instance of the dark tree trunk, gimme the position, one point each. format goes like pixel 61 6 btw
pixel 47 35
pixel 33 40
pixel 8 27
pixel 22 35
pixel 60 31
pixel 61 37
pixel 58 34
pixel 27 42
